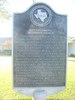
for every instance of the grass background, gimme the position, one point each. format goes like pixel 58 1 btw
pixel 7 92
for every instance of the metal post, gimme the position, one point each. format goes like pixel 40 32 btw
pixel 34 1
pixel 39 95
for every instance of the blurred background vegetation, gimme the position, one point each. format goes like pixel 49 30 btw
pixel 4 13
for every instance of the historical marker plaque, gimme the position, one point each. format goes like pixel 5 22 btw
pixel 39 48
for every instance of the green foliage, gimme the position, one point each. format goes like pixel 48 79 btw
pixel 72 55
pixel 5 53
pixel 4 13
